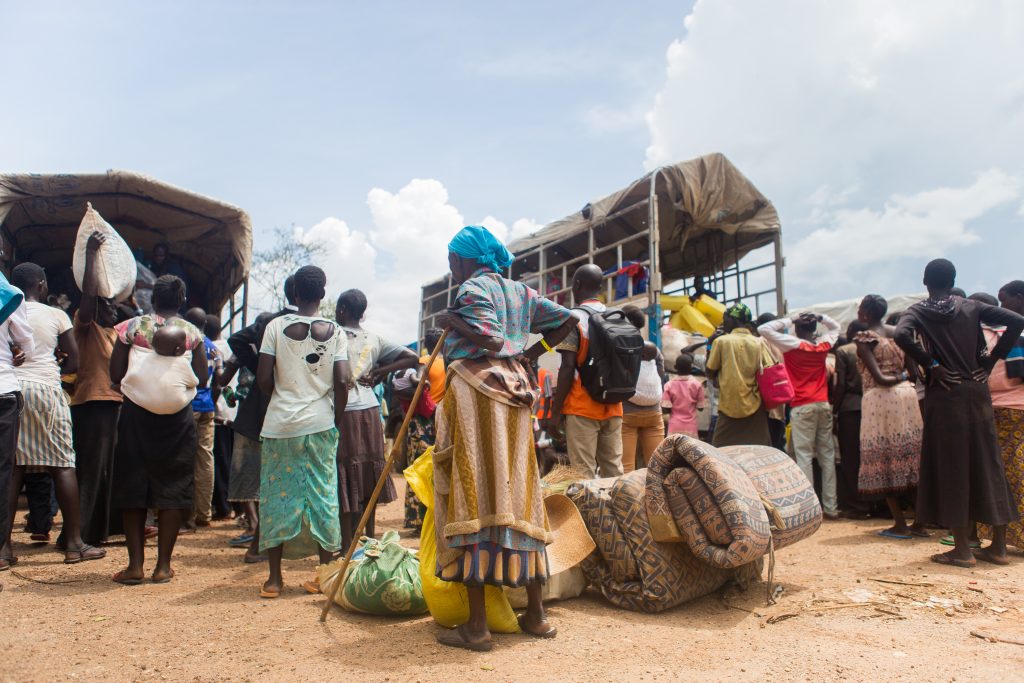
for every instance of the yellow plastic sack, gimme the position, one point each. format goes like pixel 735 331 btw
pixel 448 601
pixel 689 319
pixel 713 310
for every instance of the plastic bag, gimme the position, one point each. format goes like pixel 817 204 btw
pixel 115 265
pixel 447 601
pixel 385 580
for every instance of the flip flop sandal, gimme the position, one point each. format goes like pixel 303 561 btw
pixel 919 533
pixel 163 579
pixel 550 633
pixel 241 541
pixel 312 587
pixel 943 558
pixel 983 555
pixel 269 595
pixel 950 541
pixel 7 562
pixel 120 578
pixel 84 554
pixel 888 533
pixel 457 638
pixel 40 538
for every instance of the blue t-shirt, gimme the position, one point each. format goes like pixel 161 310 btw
pixel 203 402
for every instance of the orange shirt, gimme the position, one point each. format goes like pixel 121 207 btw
pixel 436 377
pixel 95 344
pixel 579 402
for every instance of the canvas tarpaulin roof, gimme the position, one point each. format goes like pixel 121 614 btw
pixel 709 216
pixel 40 214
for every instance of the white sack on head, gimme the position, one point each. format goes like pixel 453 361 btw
pixel 115 264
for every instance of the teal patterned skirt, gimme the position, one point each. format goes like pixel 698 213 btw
pixel 299 494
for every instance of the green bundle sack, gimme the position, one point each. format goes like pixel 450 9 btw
pixel 385 580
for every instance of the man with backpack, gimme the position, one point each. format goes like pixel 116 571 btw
pixel 600 365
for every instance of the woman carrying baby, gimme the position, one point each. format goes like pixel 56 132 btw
pixel 158 360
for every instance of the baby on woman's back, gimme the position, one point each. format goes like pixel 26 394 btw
pixel 170 341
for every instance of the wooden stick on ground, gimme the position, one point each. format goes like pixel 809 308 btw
pixel 358 532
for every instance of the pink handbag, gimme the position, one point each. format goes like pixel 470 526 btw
pixel 773 383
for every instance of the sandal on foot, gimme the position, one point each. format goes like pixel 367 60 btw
pixel 122 578
pixel 944 558
pixel 162 579
pixel 889 533
pixel 551 632
pixel 269 595
pixel 983 555
pixel 312 587
pixel 950 541
pixel 242 540
pixel 40 537
pixel 84 554
pixel 457 638
pixel 919 533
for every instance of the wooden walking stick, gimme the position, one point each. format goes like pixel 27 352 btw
pixel 357 534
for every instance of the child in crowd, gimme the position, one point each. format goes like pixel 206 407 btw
pixel 683 397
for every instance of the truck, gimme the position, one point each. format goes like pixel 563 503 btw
pixel 210 239
pixel 696 227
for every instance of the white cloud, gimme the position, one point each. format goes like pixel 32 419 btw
pixel 405 246
pixel 925 225
pixel 881 131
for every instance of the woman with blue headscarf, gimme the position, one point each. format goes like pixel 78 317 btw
pixel 491 528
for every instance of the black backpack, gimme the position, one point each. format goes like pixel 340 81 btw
pixel 612 366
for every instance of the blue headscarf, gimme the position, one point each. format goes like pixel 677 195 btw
pixel 10 298
pixel 476 242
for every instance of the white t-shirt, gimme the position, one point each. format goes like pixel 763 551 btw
pixel 303 398
pixel 366 350
pixel 224 411
pixel 47 323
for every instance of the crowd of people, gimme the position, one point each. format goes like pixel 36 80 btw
pixel 152 425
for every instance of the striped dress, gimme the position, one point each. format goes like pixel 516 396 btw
pixel 44 439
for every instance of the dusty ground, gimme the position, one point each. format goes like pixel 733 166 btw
pixel 209 624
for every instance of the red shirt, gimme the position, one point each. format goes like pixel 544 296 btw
pixel 804 360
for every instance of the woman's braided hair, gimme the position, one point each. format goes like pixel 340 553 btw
pixel 168 293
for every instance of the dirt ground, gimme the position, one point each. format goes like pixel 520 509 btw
pixel 836 620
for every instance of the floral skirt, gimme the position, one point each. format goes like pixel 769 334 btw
pixel 890 440
pixel 299 494
pixel 1010 433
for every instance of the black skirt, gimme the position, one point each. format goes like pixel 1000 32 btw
pixel 154 464
pixel 962 478
pixel 361 460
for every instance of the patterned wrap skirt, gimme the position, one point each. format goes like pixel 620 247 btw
pixel 1010 434
pixel 491 524
pixel 890 440
pixel 45 438
pixel 299 494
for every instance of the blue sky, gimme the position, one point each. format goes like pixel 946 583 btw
pixel 886 133
pixel 295 110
